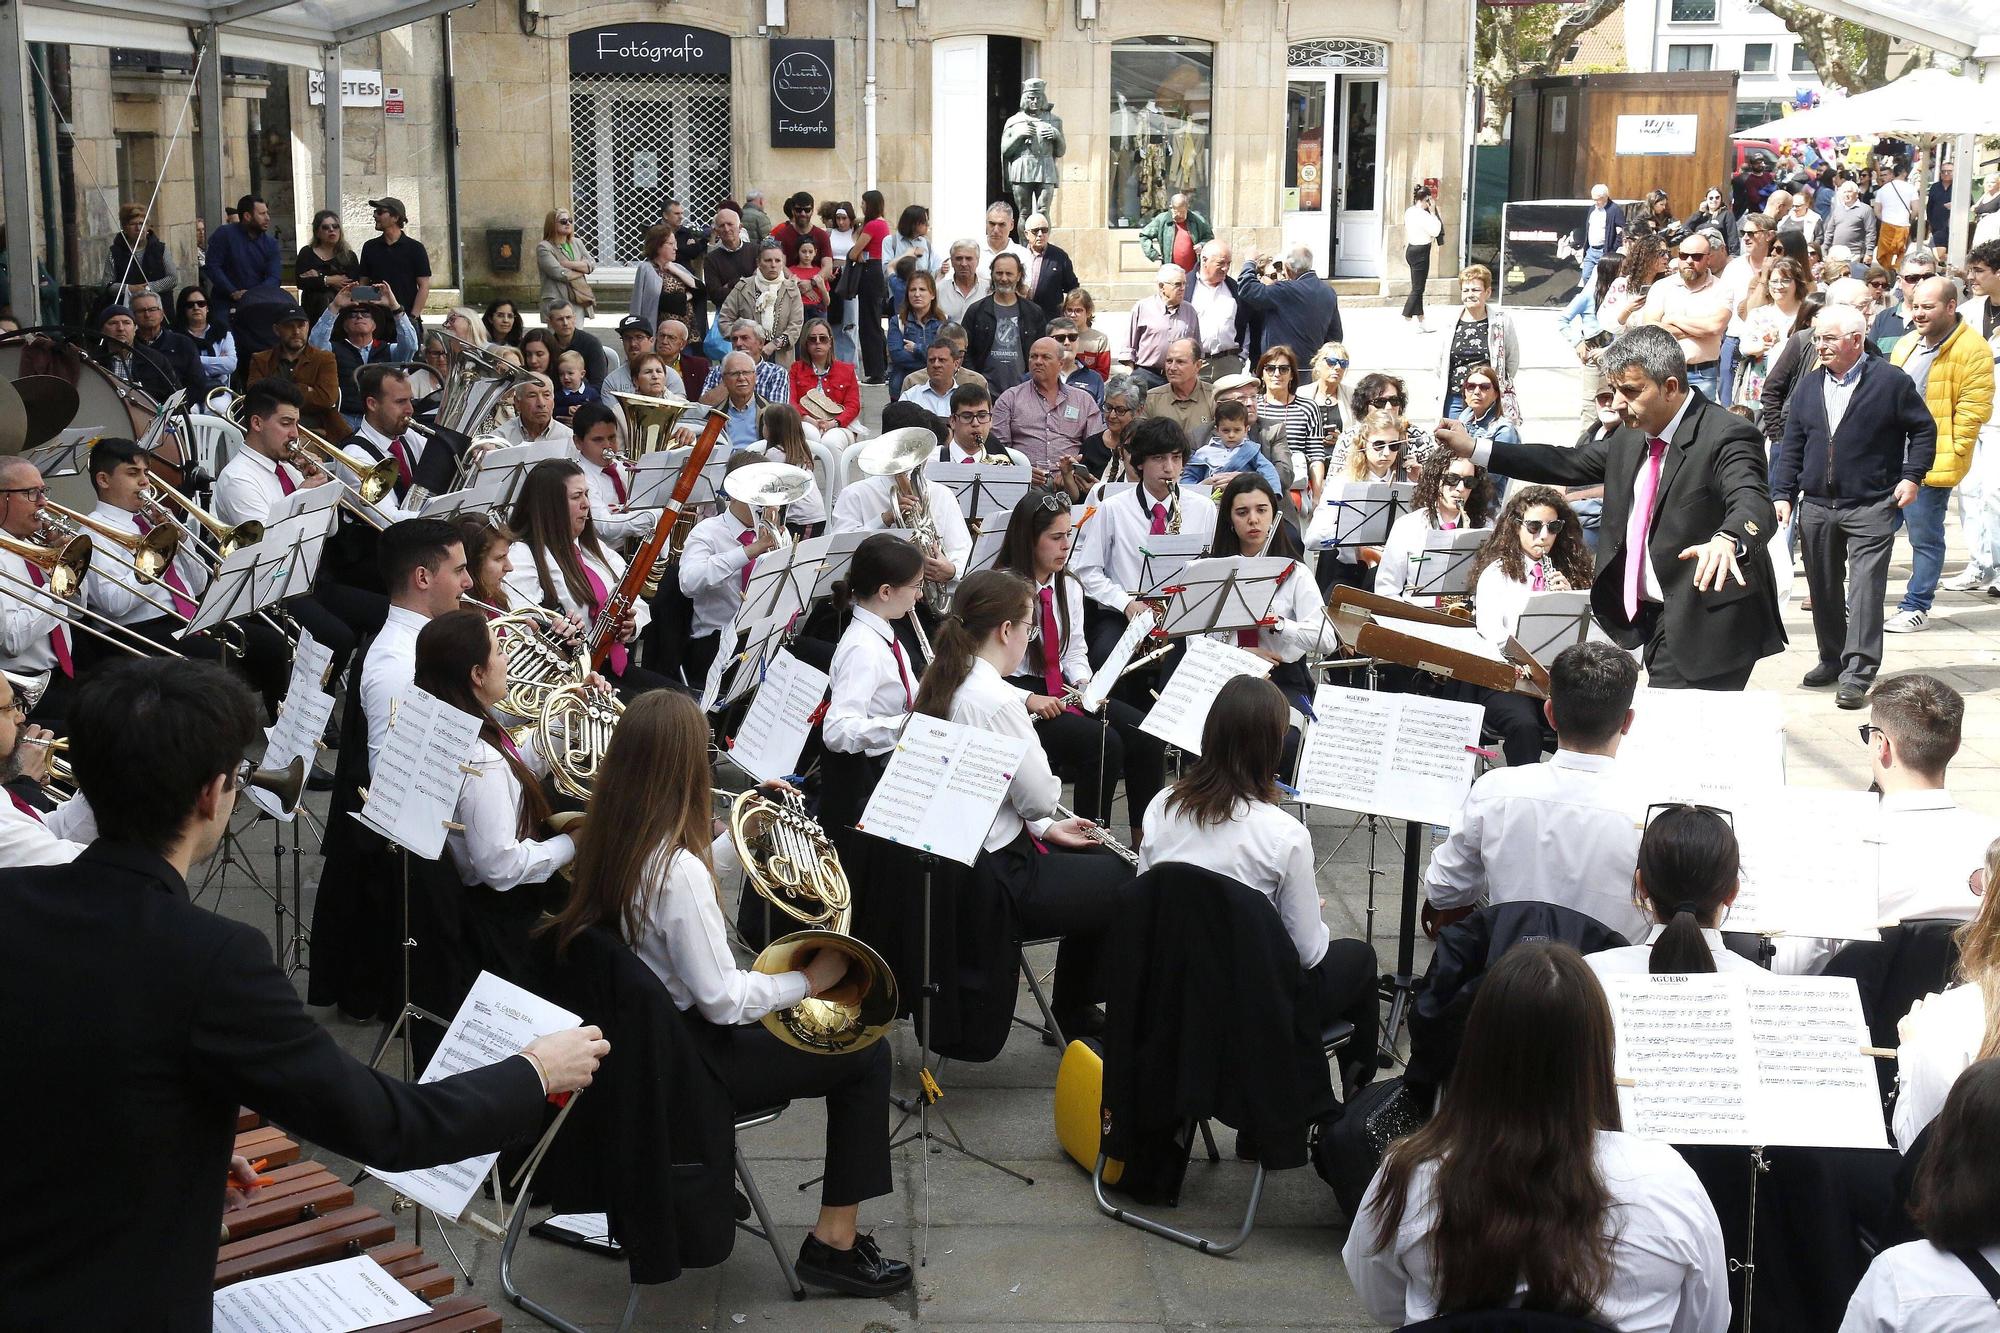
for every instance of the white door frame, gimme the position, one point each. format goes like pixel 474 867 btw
pixel 958 101
pixel 1359 251
pixel 1314 230
pixel 1340 62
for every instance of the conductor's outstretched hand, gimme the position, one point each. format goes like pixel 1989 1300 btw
pixel 1454 436
pixel 1715 562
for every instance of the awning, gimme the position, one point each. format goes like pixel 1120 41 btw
pixel 292 32
pixel 1927 101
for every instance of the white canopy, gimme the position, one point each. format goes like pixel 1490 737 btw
pixel 1927 101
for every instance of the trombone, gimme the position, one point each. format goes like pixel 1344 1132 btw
pixel 152 555
pixel 374 479
pixel 228 539
pixel 63 565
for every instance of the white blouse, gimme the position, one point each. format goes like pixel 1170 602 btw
pixel 489 851
pixel 1669 1274
pixel 1260 846
pixel 988 702
pixel 1918 1288
pixel 525 585
pixel 1939 1037
pixel 684 942
pixel 871 692
pixel 1073 653
pixel 1406 540
pixel 1109 557
pixel 1497 602
pixel 1636 959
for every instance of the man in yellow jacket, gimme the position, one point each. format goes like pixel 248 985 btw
pixel 1953 369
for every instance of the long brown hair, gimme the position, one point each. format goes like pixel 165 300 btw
pixel 541 516
pixel 1033 516
pixel 481 533
pixel 651 798
pixel 1478 503
pixel 1503 548
pixel 983 603
pixel 448 648
pixel 782 426
pixel 1241 744
pixel 1517 1198
pixel 1979 952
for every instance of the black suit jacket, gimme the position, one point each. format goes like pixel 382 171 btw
pixel 1056 280
pixel 1713 479
pixel 147 1021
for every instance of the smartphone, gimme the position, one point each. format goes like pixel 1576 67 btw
pixel 365 292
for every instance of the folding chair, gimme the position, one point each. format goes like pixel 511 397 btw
pixel 1052 1034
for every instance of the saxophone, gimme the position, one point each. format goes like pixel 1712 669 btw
pixel 923 531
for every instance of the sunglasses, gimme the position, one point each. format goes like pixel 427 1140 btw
pixel 1382 446
pixel 1038 231
pixel 1535 527
pixel 1658 808
pixel 1882 285
pixel 1692 255
pixel 1869 731
pixel 1049 504
pixel 1452 481
pixel 1389 400
pixel 1337 362
pixel 1914 277
pixel 1279 369
pixel 1606 399
pixel 1063 337
pixel 195 305
pixel 1487 385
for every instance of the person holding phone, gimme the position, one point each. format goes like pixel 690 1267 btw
pixel 1422 228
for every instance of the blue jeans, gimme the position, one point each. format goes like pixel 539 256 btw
pixel 1725 365
pixel 1924 516
pixel 1591 258
pixel 1704 379
pixel 1454 404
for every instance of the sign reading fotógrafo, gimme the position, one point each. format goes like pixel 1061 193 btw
pixel 648 48
pixel 802 101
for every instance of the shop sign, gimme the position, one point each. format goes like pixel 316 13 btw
pixel 358 87
pixel 392 103
pixel 1656 136
pixel 648 48
pixel 802 102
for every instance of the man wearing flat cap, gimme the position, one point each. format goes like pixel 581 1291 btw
pixel 396 259
pixel 315 372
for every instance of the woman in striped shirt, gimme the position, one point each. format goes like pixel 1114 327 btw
pixel 1278 378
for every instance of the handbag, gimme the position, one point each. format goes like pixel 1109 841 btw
pixel 847 283
pixel 580 294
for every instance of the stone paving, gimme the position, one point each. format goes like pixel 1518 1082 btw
pixel 1006 1256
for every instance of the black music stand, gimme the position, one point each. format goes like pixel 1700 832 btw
pixel 257 578
pixel 654 476
pixel 982 489
pixel 1365 511
pixel 1553 621
pixel 835 552
pixel 497 480
pixel 1228 592
pixel 1444 567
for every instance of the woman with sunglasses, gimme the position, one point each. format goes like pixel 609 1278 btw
pixel 563 264
pixel 1714 212
pixel 1482 413
pixel 1379 392
pixel 1481 335
pixel 1074 373
pixel 1093 749
pixel 1377 456
pixel 216 346
pixel 817 372
pixel 1687 877
pixel 1104 453
pixel 1452 493
pixel 1536 546
pixel 1770 313
pixel 1279 399
pixel 324 265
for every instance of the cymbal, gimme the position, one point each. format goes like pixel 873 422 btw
pixel 52 404
pixel 896 452
pixel 763 484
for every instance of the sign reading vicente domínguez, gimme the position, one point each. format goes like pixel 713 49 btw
pixel 802 103
pixel 648 48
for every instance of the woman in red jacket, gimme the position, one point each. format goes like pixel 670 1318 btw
pixel 817 374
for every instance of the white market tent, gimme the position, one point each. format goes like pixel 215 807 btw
pixel 1926 101
pixel 307 33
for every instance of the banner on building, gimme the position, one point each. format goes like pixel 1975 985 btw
pixel 802 102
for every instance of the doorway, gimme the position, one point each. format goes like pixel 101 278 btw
pixel 1332 188
pixel 975 86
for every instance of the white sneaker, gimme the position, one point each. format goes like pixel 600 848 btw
pixel 1969 579
pixel 1905 622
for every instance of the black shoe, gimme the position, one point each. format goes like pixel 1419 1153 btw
pixel 1852 696
pixel 1824 674
pixel 319 779
pixel 742 1207
pixel 861 1271
pixel 1085 1022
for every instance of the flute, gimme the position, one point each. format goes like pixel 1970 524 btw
pixel 1105 840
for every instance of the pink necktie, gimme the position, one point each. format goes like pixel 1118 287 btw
pixel 1539 582
pixel 1640 525
pixel 56 639
pixel 618 656
pixel 617 482
pixel 182 604
pixel 902 670
pixel 744 539
pixel 404 476
pixel 23 806
pixel 1159 521
pixel 285 482
pixel 1052 679
pixel 507 744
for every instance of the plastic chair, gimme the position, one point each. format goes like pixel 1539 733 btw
pixel 215 441
pixel 827 472
pixel 849 472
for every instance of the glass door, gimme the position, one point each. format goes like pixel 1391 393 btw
pixel 1359 196
pixel 1308 188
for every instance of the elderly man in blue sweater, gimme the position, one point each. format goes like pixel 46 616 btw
pixel 1297 309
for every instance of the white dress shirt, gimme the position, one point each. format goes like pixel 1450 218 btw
pixel 684 942
pixel 248 489
pixel 614 522
pixel 1073 650
pixel 1497 601
pixel 1938 1038
pixel 712 567
pixel 1260 846
pixel 1668 1271
pixel 1215 315
pixel 28 618
pixel 1110 557
pixel 871 693
pixel 55 838
pixel 490 851
pixel 924 396
pixel 988 702
pixel 952 303
pixel 861 506
pixel 1637 959
pixel 1406 540
pixel 117 590
pixel 388 672
pixel 1563 832
pixel 525 584
pixel 1918 1288
pixel 514 432
pixel 1930 847
pixel 1299 623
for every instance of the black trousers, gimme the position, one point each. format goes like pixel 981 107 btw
pixel 1093 751
pixel 697 656
pixel 339 615
pixel 1663 669
pixel 266 660
pixel 1518 719
pixel 1064 893
pixel 760 1071
pixel 1344 986
pixel 874 290
pixel 1418 257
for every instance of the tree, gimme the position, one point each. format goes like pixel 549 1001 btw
pixel 1526 42
pixel 1846 55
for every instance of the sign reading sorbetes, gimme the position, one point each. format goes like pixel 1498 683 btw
pixel 802 102
pixel 648 48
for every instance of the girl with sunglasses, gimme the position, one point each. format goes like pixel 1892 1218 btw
pixel 1452 493
pixel 1537 546
pixel 1377 455
pixel 1378 392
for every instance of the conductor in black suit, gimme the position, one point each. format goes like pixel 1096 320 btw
pixel 142 1021
pixel 1686 481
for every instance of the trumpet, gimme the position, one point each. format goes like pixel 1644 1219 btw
pixel 228 539
pixel 152 554
pixel 1103 839
pixel 58 767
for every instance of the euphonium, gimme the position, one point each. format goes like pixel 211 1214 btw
pixel 793 866
pixel 227 539
pixel 152 554
pixel 924 532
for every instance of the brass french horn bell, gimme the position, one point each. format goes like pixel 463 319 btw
pixel 288 784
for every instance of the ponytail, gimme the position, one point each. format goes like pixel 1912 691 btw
pixel 983 603
pixel 1689 865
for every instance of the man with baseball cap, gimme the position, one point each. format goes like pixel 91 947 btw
pixel 314 371
pixel 396 259
pixel 638 337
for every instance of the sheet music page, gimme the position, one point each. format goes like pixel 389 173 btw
pixel 302 719
pixel 1106 676
pixel 986 545
pixel 1341 764
pixel 1814 1086
pixel 725 657
pixel 759 643
pixel 311 661
pixel 1681 1042
pixel 419 773
pixel 1179 713
pixel 1402 756
pixel 982 489
pixel 497 1019
pixel 774 730
pixel 942 787
pixel 1810 862
pixel 338 1297
pixel 1703 744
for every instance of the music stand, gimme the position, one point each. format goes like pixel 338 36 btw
pixel 781 582
pixel 835 552
pixel 1553 621
pixel 1229 592
pixel 654 476
pixel 760 642
pixel 1444 567
pixel 1366 512
pixel 256 578
pixel 986 545
pixel 1162 560
pixel 497 479
pixel 983 489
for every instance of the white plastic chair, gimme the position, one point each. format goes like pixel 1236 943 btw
pixel 215 441
pixel 827 472
pixel 849 472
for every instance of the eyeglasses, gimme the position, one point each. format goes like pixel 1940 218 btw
pixel 1535 527
pixel 1452 481
pixel 1658 808
pixel 1063 337
pixel 1389 400
pixel 35 493
pixel 1119 408
pixel 1869 731
pixel 973 418
pixel 16 707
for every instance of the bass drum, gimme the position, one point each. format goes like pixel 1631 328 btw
pixel 106 405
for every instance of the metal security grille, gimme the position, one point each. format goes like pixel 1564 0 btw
pixel 635 141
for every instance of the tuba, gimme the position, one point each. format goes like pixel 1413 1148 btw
pixel 901 454
pixel 793 866
pixel 649 422
pixel 472 384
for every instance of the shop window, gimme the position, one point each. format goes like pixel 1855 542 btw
pixel 1161 111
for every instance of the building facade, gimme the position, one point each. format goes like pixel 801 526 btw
pixel 1668 36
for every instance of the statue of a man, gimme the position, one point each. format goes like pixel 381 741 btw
pixel 1030 143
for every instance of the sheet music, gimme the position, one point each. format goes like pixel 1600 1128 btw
pixel 774 730
pixel 306 500
pixel 835 553
pixel 986 546
pixel 1402 756
pixel 302 719
pixel 312 661
pixel 1703 745
pixel 281 565
pixel 1459 638
pixel 1811 862
pixel 1730 1058
pixel 1162 559
pixel 337 1297
pixel 942 787
pixel 497 1019
pixel 1443 568
pixel 982 489
pixel 419 773
pixel 1552 621
pixel 779 583
pixel 1099 689
pixel 1227 592
pixel 1180 712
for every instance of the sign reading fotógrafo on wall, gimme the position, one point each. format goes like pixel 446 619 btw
pixel 648 48
pixel 802 101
